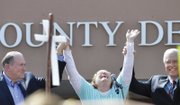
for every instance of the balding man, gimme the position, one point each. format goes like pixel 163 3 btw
pixel 163 89
pixel 15 82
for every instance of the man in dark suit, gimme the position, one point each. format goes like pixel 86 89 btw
pixel 15 83
pixel 162 89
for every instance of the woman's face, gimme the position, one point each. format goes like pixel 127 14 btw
pixel 103 77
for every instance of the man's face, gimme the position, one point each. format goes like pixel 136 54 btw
pixel 17 68
pixel 171 64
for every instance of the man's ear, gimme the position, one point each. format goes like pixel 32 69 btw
pixel 6 66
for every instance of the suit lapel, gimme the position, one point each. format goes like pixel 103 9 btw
pixel 22 87
pixel 5 90
pixel 162 83
pixel 177 92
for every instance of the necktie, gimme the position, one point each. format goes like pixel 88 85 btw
pixel 171 89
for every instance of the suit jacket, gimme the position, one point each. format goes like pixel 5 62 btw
pixel 30 85
pixel 154 89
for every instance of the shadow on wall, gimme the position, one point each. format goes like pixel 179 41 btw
pixel 65 90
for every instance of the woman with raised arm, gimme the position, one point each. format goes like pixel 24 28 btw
pixel 101 90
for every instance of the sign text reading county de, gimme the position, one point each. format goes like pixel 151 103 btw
pixel 87 36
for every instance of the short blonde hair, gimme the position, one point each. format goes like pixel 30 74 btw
pixel 42 98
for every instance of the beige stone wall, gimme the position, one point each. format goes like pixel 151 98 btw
pixel 148 60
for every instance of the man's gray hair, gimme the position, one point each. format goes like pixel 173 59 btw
pixel 170 51
pixel 9 57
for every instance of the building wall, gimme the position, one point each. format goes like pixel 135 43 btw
pixel 148 59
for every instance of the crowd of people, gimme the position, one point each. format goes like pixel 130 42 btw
pixel 20 87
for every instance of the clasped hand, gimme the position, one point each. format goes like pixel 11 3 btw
pixel 131 35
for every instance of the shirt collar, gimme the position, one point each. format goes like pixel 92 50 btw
pixel 9 81
pixel 171 81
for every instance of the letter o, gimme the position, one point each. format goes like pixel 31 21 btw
pixel 2 35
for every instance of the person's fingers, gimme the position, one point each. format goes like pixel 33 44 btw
pixel 124 50
pixel 61 46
